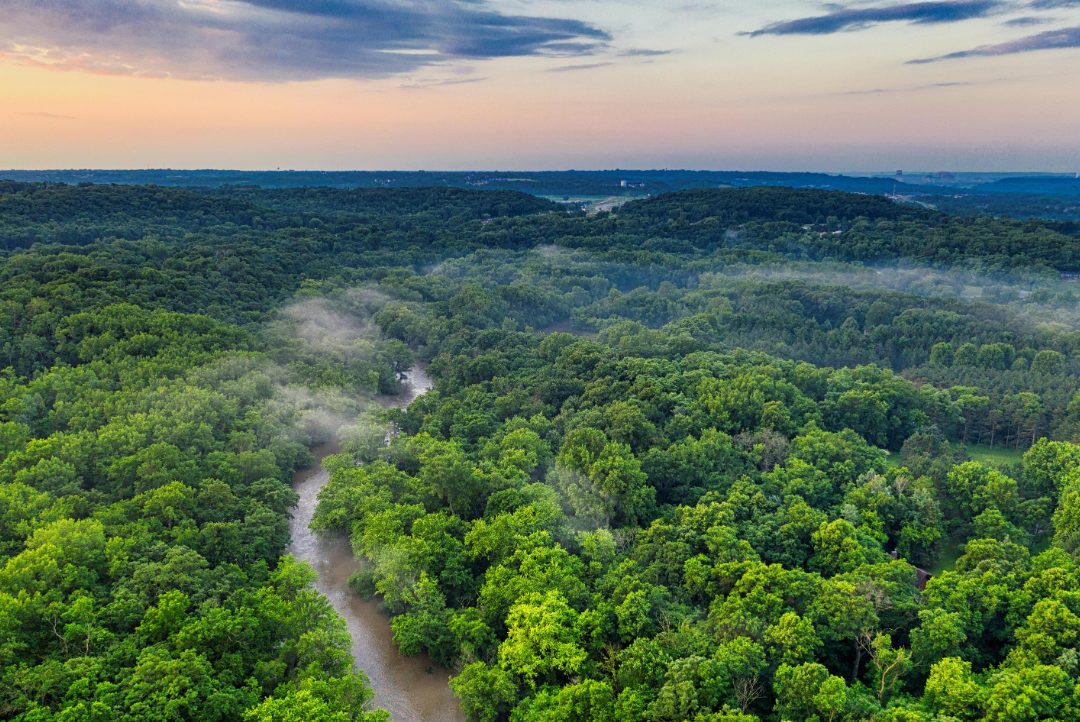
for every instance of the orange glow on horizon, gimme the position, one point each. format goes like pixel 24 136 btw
pixel 688 111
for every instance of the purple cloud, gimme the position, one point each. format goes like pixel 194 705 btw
pixel 1049 40
pixel 278 40
pixel 857 18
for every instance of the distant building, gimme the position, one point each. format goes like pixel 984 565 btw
pixel 922 577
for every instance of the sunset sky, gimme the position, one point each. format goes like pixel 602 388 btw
pixel 504 84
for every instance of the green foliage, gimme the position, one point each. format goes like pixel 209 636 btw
pixel 652 481
pixel 540 641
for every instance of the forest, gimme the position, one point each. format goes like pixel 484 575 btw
pixel 719 455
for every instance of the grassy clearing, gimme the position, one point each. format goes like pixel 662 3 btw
pixel 994 455
pixel 951 551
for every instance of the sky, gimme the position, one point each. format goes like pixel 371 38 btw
pixel 849 86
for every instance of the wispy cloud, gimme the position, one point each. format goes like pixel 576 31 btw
pixel 1055 4
pixel 1049 40
pixel 1027 21
pixel 644 53
pixel 857 18
pixel 910 88
pixel 278 40
pixel 421 84
pixel 48 116
pixel 582 66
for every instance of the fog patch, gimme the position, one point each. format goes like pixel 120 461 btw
pixel 319 415
pixel 1042 299
pixel 365 299
pixel 317 322
pixel 549 250
pixel 331 366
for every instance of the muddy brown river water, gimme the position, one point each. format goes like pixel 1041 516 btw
pixel 412 689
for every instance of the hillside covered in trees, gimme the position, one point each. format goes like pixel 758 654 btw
pixel 718 455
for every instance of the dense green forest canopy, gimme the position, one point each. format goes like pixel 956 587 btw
pixel 717 455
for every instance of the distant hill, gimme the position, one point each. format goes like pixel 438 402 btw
pixel 550 183
pixel 1054 197
pixel 770 204
pixel 1044 185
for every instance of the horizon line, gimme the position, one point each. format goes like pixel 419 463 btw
pixel 869 173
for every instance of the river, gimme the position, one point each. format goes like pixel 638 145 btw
pixel 412 689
